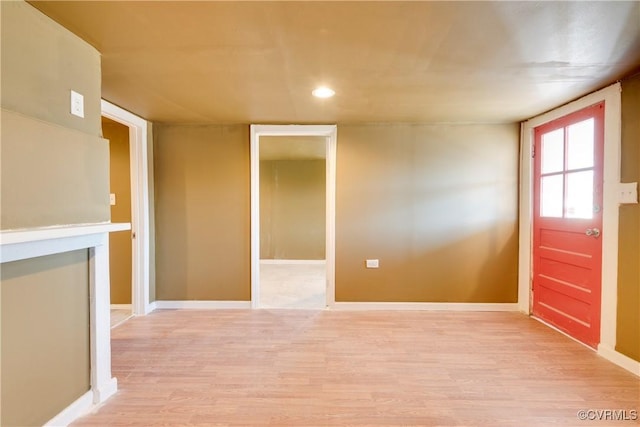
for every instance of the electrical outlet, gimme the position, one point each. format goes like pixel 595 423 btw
pixel 628 193
pixel 77 104
pixel 372 263
pixel 112 199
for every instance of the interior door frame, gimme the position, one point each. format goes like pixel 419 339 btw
pixel 330 133
pixel 611 95
pixel 138 155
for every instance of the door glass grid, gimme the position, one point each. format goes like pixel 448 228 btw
pixel 566 166
pixel 553 151
pixel 580 138
pixel 579 195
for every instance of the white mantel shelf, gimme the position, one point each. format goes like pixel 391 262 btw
pixel 33 242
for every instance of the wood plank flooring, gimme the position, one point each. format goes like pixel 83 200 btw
pixel 338 368
pixel 119 315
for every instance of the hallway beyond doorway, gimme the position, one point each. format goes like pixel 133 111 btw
pixel 295 285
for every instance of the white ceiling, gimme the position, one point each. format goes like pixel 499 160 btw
pixel 257 62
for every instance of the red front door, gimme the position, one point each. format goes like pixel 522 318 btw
pixel 567 252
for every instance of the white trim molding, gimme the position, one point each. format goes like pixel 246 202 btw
pixel 611 96
pixel 34 242
pixel 525 223
pixel 30 243
pixel 200 305
pixel 619 359
pixel 330 132
pixel 426 306
pixel 139 203
pixel 72 412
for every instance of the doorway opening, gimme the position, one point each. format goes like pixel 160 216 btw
pixel 293 216
pixel 292 222
pixel 611 96
pixel 120 248
pixel 139 184
pixel 567 221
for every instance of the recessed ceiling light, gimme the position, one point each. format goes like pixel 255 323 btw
pixel 323 92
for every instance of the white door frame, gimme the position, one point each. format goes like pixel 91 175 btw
pixel 611 175
pixel 330 133
pixel 139 204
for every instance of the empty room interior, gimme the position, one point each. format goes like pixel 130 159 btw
pixel 319 213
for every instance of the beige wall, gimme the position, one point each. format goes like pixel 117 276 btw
pixel 437 205
pixel 54 167
pixel 120 185
pixel 41 62
pixel 45 336
pixel 50 174
pixel 202 212
pixel 628 322
pixel 292 209
pixel 54 170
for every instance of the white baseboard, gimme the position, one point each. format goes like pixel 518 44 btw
pixel 152 306
pixel 200 305
pixel 293 261
pixel 619 359
pixel 108 389
pixel 121 306
pixel 426 306
pixel 72 412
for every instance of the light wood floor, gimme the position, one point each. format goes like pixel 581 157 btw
pixel 119 315
pixel 332 368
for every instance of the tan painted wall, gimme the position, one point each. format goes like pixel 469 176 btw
pixel 202 212
pixel 628 319
pixel 41 61
pixel 437 205
pixel 45 336
pixel 50 174
pixel 120 185
pixel 292 209
pixel 54 170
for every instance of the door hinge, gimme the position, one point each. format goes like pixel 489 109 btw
pixel 533 152
pixel 133 234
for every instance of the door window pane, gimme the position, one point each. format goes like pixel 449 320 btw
pixel 580 145
pixel 553 151
pixel 579 203
pixel 551 196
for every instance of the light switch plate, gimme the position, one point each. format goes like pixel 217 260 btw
pixel 628 193
pixel 77 104
pixel 112 199
pixel 372 263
